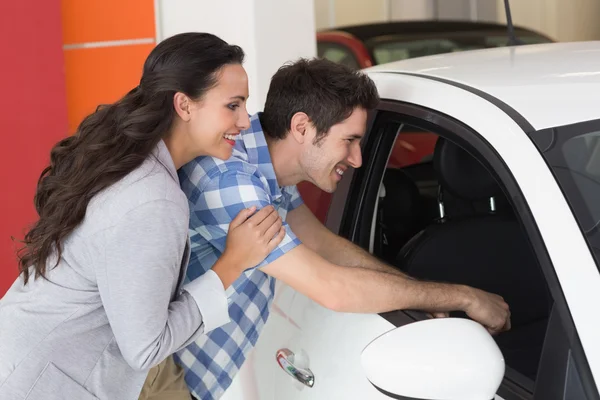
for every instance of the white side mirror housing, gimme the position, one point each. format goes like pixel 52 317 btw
pixel 436 359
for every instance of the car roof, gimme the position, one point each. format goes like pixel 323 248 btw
pixel 366 32
pixel 548 84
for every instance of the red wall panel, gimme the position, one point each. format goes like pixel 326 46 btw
pixel 33 114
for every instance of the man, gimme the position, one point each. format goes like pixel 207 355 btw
pixel 314 118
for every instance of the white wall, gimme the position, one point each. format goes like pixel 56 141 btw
pixel 407 10
pixel 324 14
pixel 350 12
pixel 578 20
pixel 474 10
pixel 562 20
pixel 271 32
pixel 332 13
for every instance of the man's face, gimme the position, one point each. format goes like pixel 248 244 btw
pixel 326 162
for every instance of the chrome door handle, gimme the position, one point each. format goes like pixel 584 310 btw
pixel 285 359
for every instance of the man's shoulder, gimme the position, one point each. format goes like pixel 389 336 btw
pixel 203 170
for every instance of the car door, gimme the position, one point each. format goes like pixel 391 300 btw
pixel 327 345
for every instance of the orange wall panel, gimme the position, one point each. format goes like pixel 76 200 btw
pixel 87 21
pixel 100 76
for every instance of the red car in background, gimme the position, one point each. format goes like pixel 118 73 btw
pixel 362 46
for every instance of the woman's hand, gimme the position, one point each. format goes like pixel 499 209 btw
pixel 250 240
pixel 252 237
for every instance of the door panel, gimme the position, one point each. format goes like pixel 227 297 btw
pixel 330 345
pixel 326 342
pixel 260 374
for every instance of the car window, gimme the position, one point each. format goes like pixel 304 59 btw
pixel 582 163
pixel 502 40
pixel 337 53
pixel 398 208
pixel 415 146
pixel 573 153
pixel 425 224
pixel 395 49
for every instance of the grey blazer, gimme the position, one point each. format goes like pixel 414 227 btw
pixel 114 306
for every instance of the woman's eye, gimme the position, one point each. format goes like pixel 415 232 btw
pixel 233 107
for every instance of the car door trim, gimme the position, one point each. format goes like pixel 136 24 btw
pixel 508 110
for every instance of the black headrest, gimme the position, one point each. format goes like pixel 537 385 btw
pixel 462 174
pixel 402 199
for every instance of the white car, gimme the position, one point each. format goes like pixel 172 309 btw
pixel 507 201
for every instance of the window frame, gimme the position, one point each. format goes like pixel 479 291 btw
pixel 349 211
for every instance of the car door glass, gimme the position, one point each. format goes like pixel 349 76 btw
pixel 574 387
pixel 573 153
pixel 501 40
pixel 391 48
pixel 402 50
pixel 337 53
pixel 582 162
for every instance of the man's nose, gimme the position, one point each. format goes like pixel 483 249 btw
pixel 355 157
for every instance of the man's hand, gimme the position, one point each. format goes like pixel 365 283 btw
pixel 439 315
pixel 490 310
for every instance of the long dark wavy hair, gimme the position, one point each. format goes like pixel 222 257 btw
pixel 117 138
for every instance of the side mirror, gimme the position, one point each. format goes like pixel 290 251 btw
pixel 435 359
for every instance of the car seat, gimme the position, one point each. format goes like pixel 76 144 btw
pixel 399 213
pixel 487 250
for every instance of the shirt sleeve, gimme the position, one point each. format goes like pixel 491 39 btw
pixel 219 202
pixel 142 265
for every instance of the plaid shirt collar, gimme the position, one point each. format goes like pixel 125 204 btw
pixel 254 149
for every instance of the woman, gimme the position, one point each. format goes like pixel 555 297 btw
pixel 99 300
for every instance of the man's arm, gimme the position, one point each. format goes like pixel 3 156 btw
pixel 332 247
pixel 214 204
pixel 335 287
pixel 360 290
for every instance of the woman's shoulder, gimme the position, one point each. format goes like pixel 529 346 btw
pixel 150 183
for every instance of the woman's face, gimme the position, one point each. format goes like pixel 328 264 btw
pixel 218 117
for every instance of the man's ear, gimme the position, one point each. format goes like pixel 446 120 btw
pixel 300 127
pixel 182 104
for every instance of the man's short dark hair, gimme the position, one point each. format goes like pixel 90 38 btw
pixel 327 92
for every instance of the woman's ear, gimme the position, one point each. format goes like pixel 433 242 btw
pixel 300 127
pixel 182 104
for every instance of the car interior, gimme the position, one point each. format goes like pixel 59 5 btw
pixel 447 219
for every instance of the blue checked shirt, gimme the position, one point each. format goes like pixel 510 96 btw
pixel 217 191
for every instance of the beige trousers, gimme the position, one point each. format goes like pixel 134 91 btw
pixel 165 382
